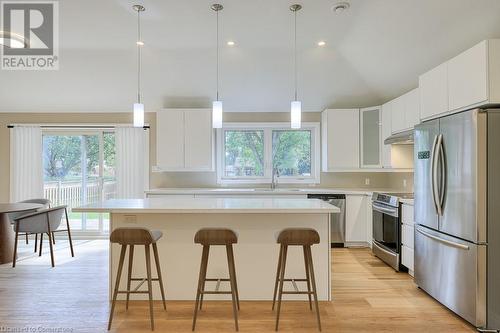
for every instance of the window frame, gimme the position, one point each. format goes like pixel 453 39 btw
pixel 268 128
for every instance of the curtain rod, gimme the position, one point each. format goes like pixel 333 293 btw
pixel 74 126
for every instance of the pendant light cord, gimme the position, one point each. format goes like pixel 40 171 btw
pixel 139 56
pixel 217 74
pixel 295 54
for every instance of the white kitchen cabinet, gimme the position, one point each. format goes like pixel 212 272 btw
pixel 369 221
pixel 184 140
pixel 469 80
pixel 340 139
pixel 356 220
pixel 198 152
pixel 370 137
pixel 405 111
pixel 398 114
pixel 412 108
pixel 407 237
pixel 473 75
pixel 386 132
pixel 433 87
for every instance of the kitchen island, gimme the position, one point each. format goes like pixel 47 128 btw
pixel 257 222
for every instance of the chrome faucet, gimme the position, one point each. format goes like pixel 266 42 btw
pixel 274 179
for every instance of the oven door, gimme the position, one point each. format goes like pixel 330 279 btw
pixel 386 227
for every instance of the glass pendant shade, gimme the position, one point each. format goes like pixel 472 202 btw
pixel 296 114
pixel 217 114
pixel 138 115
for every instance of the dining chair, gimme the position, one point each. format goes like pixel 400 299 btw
pixel 46 204
pixel 45 221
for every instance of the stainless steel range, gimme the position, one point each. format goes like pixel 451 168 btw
pixel 387 228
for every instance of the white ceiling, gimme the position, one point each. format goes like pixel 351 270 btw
pixel 375 51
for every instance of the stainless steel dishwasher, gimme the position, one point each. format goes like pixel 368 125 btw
pixel 337 220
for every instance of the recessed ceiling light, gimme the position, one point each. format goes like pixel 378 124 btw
pixel 321 43
pixel 140 43
pixel 340 7
pixel 231 43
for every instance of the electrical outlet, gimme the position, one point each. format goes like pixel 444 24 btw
pixel 404 182
pixel 131 219
pixel 367 181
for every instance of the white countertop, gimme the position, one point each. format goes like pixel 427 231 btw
pixel 407 201
pixel 210 205
pixel 264 191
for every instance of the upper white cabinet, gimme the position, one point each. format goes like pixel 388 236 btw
pixel 412 108
pixel 386 132
pixel 184 140
pixel 433 87
pixel 405 111
pixel 370 137
pixel 398 114
pixel 340 139
pixel 471 79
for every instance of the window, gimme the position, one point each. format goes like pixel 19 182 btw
pixel 79 169
pixel 248 153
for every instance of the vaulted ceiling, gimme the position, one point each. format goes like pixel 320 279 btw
pixel 374 52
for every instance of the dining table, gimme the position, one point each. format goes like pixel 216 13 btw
pixel 6 231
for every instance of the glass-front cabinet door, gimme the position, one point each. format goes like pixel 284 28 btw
pixel 370 131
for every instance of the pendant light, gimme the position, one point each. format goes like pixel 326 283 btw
pixel 139 107
pixel 296 106
pixel 217 104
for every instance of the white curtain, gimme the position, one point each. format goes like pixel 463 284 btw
pixel 26 166
pixel 132 162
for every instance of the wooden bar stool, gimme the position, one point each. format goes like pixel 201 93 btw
pixel 132 237
pixel 304 237
pixel 208 237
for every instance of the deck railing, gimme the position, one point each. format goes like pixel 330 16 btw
pixel 72 194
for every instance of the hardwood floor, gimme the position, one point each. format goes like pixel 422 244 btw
pixel 73 297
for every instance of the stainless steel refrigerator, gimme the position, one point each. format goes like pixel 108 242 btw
pixel 457 214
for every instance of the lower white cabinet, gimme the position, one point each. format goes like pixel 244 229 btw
pixel 356 220
pixel 407 237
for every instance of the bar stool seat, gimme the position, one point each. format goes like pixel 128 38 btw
pixel 216 236
pixel 305 237
pixel 298 236
pixel 130 237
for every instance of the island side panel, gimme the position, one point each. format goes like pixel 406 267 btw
pixel 256 253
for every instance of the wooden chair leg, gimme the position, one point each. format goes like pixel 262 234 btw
pixel 53 238
pixel 203 281
pixel 150 287
pixel 51 246
pixel 232 279
pixel 203 268
pixel 306 264
pixel 129 275
pixel 36 242
pixel 41 243
pixel 15 249
pixel 282 278
pixel 235 279
pixel 117 284
pixel 313 282
pixel 27 242
pixel 158 272
pixel 69 233
pixel 276 281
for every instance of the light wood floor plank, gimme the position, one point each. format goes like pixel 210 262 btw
pixel 368 297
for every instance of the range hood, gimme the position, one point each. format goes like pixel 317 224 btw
pixel 403 138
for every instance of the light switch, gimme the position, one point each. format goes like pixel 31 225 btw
pixel 131 219
pixel 367 181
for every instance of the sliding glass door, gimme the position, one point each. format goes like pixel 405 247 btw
pixel 79 169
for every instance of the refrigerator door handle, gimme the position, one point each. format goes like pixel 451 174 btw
pixel 442 185
pixel 441 240
pixel 434 189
